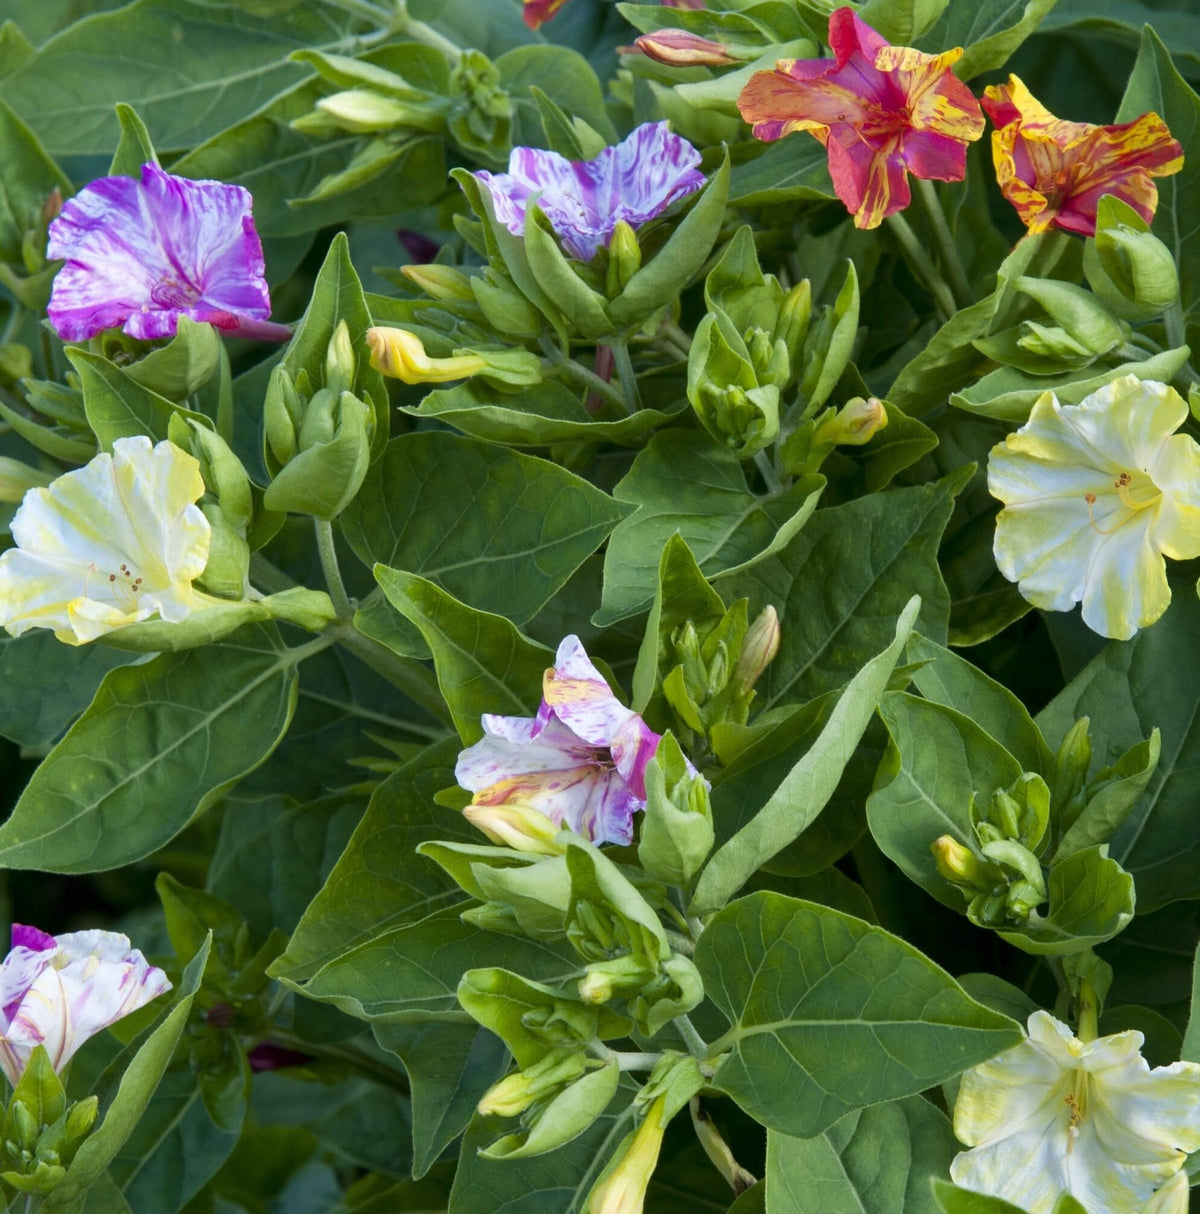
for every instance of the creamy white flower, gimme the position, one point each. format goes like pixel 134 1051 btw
pixel 1095 495
pixel 1057 1115
pixel 114 542
pixel 57 991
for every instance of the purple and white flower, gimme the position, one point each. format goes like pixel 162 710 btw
pixel 581 761
pixel 57 991
pixel 634 181
pixel 141 254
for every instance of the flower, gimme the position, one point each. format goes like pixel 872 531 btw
pixel 1054 172
pixel 622 1189
pixel 1056 1114
pixel 1095 495
pixel 401 354
pixel 881 111
pixel 581 761
pixel 57 991
pixel 109 544
pixel 141 254
pixel 680 48
pixel 537 11
pixel 584 199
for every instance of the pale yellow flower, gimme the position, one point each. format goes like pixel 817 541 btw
pixel 401 354
pixel 1057 1115
pixel 114 542
pixel 1095 495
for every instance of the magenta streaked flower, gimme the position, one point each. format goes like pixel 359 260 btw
pixel 57 991
pixel 581 761
pixel 634 181
pixel 141 254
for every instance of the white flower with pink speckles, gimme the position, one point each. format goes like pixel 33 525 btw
pixel 581 761
pixel 57 991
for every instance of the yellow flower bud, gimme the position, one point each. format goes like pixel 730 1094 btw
pixel 400 354
pixel 856 422
pixel 622 1189
pixel 516 826
pixel 955 862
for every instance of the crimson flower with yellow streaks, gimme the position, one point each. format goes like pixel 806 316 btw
pixel 1055 172
pixel 881 111
pixel 537 11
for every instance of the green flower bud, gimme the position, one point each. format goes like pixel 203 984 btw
pixel 1127 266
pixel 795 314
pixel 744 420
pixel 494 917
pixel 340 363
pixel 515 1093
pixel 480 118
pixel 624 258
pixel 441 282
pixel 1085 321
pixel 855 423
pixel 1012 855
pixel 621 976
pixel 363 112
pixel 283 411
pixel 758 650
pixel 25 1125
pixel 677 827
pixel 81 1117
pixel 1071 764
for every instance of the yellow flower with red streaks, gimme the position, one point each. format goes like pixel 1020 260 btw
pixel 881 111
pixel 537 11
pixel 1055 172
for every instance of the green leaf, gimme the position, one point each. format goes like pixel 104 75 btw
pixel 410 974
pixel 27 175
pixel 47 684
pixel 159 744
pixel 806 789
pixel 476 543
pixel 134 1093
pixel 561 74
pixel 792 169
pixel 829 1014
pixel 582 305
pixel 377 883
pixel 483 663
pixel 990 31
pixel 947 679
pixel 1091 900
pixel 685 482
pixel 902 21
pixel 1191 1038
pixel 936 759
pixel 189 68
pixel 838 598
pixel 1155 84
pixel 953 1200
pixel 881 1158
pixel 546 413
pixel 135 148
pixel 450 1066
pixel 1129 689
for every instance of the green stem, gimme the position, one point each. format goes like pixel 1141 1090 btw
pixel 627 376
pixel 582 375
pixel 679 336
pixel 1176 337
pixel 329 566
pixel 944 240
pixel 345 1054
pixel 762 461
pixel 626 1060
pixel 433 732
pixel 419 31
pixel 269 576
pixel 1089 1013
pixel 14 321
pixel 697 1046
pixel 918 261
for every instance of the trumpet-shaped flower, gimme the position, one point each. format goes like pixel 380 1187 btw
pixel 622 1189
pixel 401 354
pixel 141 254
pixel 109 544
pixel 57 991
pixel 634 181
pixel 1055 172
pixel 581 761
pixel 881 111
pixel 1057 1115
pixel 1095 495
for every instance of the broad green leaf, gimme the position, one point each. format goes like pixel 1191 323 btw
pixel 450 1066
pixel 1191 1039
pixel 47 684
pixel 878 1160
pixel 936 759
pixel 135 148
pixel 1122 21
pixel 945 678
pixel 134 1092
pixel 546 413
pixel 410 974
pixel 839 585
pixel 792 169
pixel 159 744
pixel 685 482
pixel 829 1014
pixel 1156 85
pixel 806 789
pixel 1128 690
pixel 27 176
pixel 189 68
pixel 483 663
pixel 953 1200
pixel 990 31
pixel 902 21
pixel 563 75
pixel 478 541
pixel 377 883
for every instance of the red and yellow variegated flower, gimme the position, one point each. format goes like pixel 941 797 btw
pixel 881 111
pixel 1055 172
pixel 537 11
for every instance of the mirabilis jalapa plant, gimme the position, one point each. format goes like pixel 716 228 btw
pixel 680 694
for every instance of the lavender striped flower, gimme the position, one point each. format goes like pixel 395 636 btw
pixel 581 761
pixel 584 199
pixel 57 991
pixel 141 254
